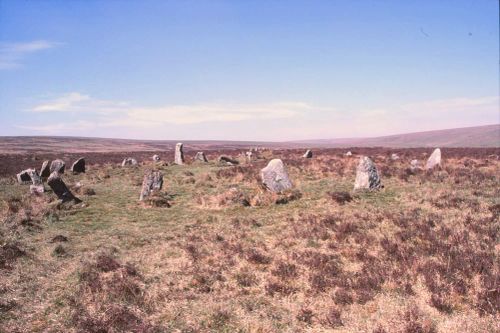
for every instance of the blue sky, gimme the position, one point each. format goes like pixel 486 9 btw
pixel 247 70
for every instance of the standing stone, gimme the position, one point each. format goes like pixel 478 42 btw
pixel 128 161
pixel 156 158
pixel 275 177
pixel 394 157
pixel 348 153
pixel 366 175
pixel 179 154
pixel 308 154
pixel 227 160
pixel 60 189
pixel 200 156
pixel 434 160
pixel 249 156
pixel 24 176
pixel 78 166
pixel 153 181
pixel 45 170
pixel 57 165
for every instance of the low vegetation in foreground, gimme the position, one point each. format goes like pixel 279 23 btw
pixel 217 253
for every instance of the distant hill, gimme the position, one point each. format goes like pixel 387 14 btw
pixel 480 136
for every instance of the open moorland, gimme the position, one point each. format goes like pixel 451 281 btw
pixel 216 252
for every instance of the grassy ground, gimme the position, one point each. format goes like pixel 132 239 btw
pixel 420 255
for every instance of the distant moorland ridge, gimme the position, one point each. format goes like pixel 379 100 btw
pixel 479 136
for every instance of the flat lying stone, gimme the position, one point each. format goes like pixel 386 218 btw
pixel 228 160
pixel 129 161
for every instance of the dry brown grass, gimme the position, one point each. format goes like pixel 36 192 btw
pixel 421 255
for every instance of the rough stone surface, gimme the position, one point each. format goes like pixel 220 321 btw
pixel 366 175
pixel 129 162
pixel 179 154
pixel 348 153
pixel 78 166
pixel 394 157
pixel 153 181
pixel 57 165
pixel 434 160
pixel 275 177
pixel 308 154
pixel 200 157
pixel 156 158
pixel 414 165
pixel 60 189
pixel 45 170
pixel 227 160
pixel 249 156
pixel 37 189
pixel 35 177
pixel 24 176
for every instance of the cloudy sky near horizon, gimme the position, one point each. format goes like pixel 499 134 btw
pixel 247 70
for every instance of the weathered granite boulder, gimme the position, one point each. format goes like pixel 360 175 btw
pixel 348 153
pixel 45 170
pixel 200 157
pixel 60 189
pixel 129 161
pixel 275 177
pixel 366 175
pixel 308 154
pixel 179 154
pixel 156 158
pixel 153 181
pixel 227 160
pixel 414 165
pixel 434 160
pixel 57 165
pixel 24 176
pixel 394 157
pixel 78 166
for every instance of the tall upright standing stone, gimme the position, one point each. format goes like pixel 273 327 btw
pixel 275 176
pixel 152 182
pixel 367 175
pixel 308 154
pixel 434 160
pixel 60 189
pixel 179 154
pixel 57 165
pixel 45 170
pixel 78 166
pixel 200 156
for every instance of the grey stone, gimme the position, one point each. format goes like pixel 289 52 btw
pixel 78 166
pixel 308 154
pixel 156 158
pixel 227 160
pixel 394 157
pixel 367 176
pixel 57 165
pixel 434 160
pixel 249 156
pixel 200 157
pixel 179 154
pixel 37 189
pixel 348 153
pixel 45 170
pixel 60 189
pixel 414 165
pixel 129 161
pixel 152 182
pixel 24 176
pixel 275 176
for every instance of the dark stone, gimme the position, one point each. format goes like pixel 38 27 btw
pixel 58 166
pixel 153 181
pixel 60 189
pixel 45 170
pixel 78 166
pixel 228 160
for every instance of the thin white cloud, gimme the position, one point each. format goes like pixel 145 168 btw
pixel 119 113
pixel 12 54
